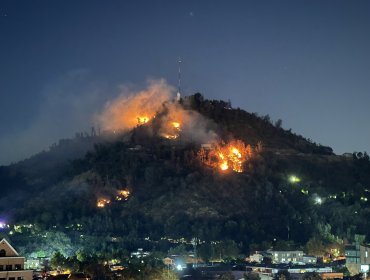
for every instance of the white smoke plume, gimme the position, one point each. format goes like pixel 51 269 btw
pixel 132 108
pixel 193 126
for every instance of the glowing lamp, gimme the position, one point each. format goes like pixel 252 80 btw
pixel 294 179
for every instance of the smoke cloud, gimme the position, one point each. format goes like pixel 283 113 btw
pixel 193 126
pixel 66 108
pixel 133 108
pixel 69 105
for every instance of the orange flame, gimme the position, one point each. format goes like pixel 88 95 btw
pixel 131 109
pixel 176 125
pixel 227 156
pixel 142 120
pixel 123 195
pixel 172 130
pixel 102 202
pixel 170 136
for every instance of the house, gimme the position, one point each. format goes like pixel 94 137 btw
pixel 256 257
pixel 357 258
pixel 140 253
pixel 306 259
pixel 267 272
pixel 280 257
pixel 11 264
pixel 286 256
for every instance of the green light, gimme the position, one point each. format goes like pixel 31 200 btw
pixel 294 179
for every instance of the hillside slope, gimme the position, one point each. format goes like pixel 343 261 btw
pixel 170 193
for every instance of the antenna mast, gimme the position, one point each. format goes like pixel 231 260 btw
pixel 179 80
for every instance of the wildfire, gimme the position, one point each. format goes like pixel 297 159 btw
pixel 142 120
pixel 176 125
pixel 170 136
pixel 227 156
pixel 102 202
pixel 123 195
pixel 172 130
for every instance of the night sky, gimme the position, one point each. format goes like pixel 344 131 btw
pixel 305 62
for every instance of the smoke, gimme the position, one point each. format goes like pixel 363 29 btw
pixel 133 108
pixel 66 107
pixel 192 126
pixel 69 105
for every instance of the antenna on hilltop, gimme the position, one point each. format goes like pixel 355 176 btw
pixel 179 61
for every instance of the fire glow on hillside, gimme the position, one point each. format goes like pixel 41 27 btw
pixel 142 120
pixel 122 195
pixel 173 131
pixel 230 156
pixel 135 108
pixel 154 107
pixel 102 202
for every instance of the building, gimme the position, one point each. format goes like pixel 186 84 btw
pixel 281 257
pixel 357 258
pixel 296 271
pixel 11 264
pixel 257 257
pixel 309 259
pixel 140 253
pixel 286 256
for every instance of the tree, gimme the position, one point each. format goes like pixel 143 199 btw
pixel 282 275
pixel 58 260
pixel 205 251
pixel 311 276
pixel 278 123
pixel 315 246
pixel 226 276
pixel 252 276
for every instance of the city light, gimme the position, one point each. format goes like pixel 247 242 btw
pixel 294 179
pixel 318 200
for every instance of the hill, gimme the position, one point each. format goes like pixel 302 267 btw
pixel 157 186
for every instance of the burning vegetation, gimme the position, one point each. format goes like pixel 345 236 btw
pixel 122 195
pixel 227 156
pixel 142 120
pixel 102 202
pixel 131 109
pixel 173 131
pixel 164 116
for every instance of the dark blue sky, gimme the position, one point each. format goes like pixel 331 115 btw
pixel 306 62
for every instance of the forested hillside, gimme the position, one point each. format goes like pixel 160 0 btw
pixel 143 189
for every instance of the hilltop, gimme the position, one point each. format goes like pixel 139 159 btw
pixel 152 187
